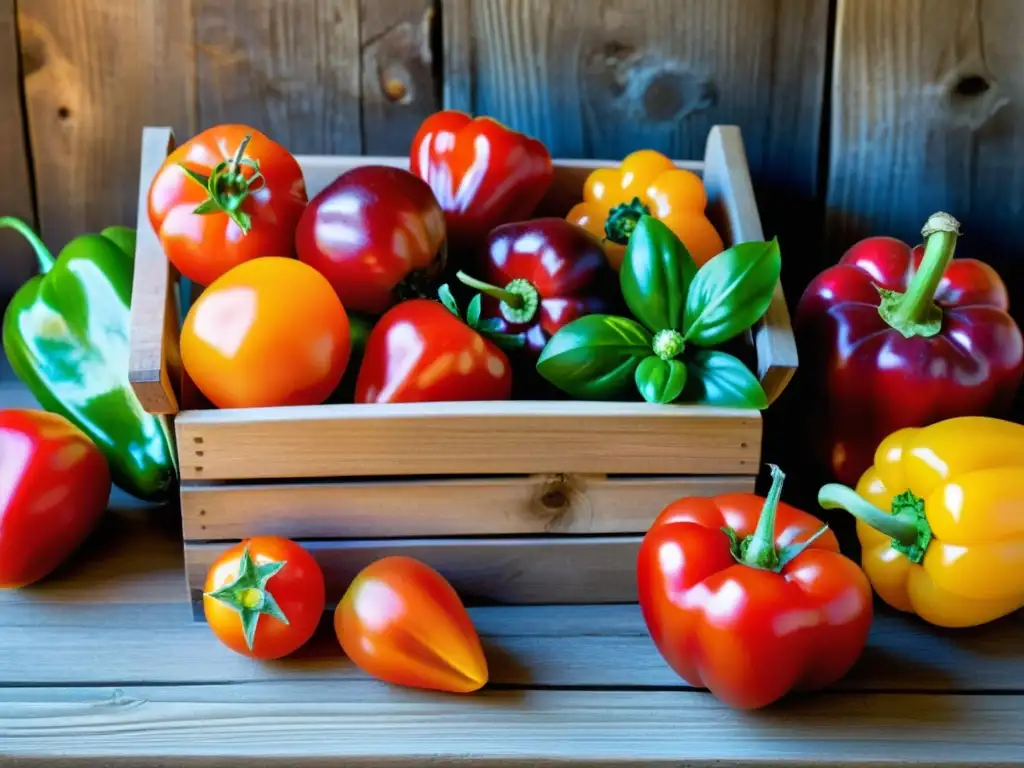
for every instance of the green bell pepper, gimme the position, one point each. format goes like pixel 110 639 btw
pixel 66 336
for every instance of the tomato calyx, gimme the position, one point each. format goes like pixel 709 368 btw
pixel 758 550
pixel 622 220
pixel 519 300
pixel 487 327
pixel 248 595
pixel 227 186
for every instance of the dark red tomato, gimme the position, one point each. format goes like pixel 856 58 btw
pixel 421 352
pixel 251 194
pixel 264 597
pixel 377 234
pixel 54 487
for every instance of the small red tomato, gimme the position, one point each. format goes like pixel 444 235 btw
pixel 421 351
pixel 402 622
pixel 269 332
pixel 264 597
pixel 54 487
pixel 376 233
pixel 482 173
pixel 225 196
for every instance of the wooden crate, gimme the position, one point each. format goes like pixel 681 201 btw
pixel 514 502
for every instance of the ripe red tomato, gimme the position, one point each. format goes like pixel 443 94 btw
pixel 54 487
pixel 269 332
pixel 402 622
pixel 421 351
pixel 222 198
pixel 376 233
pixel 264 597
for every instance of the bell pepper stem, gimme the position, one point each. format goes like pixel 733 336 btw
pixel 901 529
pixel 43 255
pixel 512 299
pixel 915 313
pixel 759 550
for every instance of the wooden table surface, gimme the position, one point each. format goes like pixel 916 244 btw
pixel 103 662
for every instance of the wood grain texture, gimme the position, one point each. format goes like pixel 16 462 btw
pixel 19 262
pixel 306 723
pixel 940 128
pixel 95 73
pixel 556 504
pixel 509 571
pixel 288 69
pixel 154 356
pixel 398 86
pixel 466 438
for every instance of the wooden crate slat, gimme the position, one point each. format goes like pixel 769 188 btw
pixel 559 570
pixel 556 504
pixel 466 438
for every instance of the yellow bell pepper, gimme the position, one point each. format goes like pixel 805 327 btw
pixel 951 546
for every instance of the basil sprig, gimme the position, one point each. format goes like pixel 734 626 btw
pixel 682 312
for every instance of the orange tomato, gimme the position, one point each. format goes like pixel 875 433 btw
pixel 402 622
pixel 264 597
pixel 269 332
pixel 674 195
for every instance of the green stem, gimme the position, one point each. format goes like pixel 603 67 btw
pixel 915 313
pixel 43 255
pixel 514 300
pixel 236 161
pixel 901 528
pixel 759 550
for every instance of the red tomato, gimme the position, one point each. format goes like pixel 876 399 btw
pixel 54 487
pixel 420 351
pixel 482 173
pixel 376 233
pixel 264 597
pixel 269 332
pixel 402 622
pixel 244 214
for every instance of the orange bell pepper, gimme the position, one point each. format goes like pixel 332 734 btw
pixel 646 182
pixel 951 546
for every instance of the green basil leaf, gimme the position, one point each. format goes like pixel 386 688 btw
pixel 718 378
pixel 595 356
pixel 660 381
pixel 655 275
pixel 731 292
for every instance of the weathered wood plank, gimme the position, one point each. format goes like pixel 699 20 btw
pixel 398 85
pixel 557 504
pixel 503 570
pixel 96 73
pixel 306 723
pixel 941 126
pixel 466 438
pixel 19 263
pixel 288 69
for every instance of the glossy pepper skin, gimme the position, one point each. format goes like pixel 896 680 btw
pixel 893 337
pixel 541 275
pixel 66 336
pixel 949 545
pixel 750 597
pixel 646 182
pixel 481 172
pixel 421 351
pixel 377 234
pixel 54 488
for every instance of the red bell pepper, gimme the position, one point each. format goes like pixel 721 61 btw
pixel 543 274
pixel 893 337
pixel 750 597
pixel 54 487
pixel 482 173
pixel 422 351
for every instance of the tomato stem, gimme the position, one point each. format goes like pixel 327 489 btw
pixel 43 255
pixel 236 161
pixel 906 525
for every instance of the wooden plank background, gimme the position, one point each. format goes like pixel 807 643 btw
pixel 859 116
